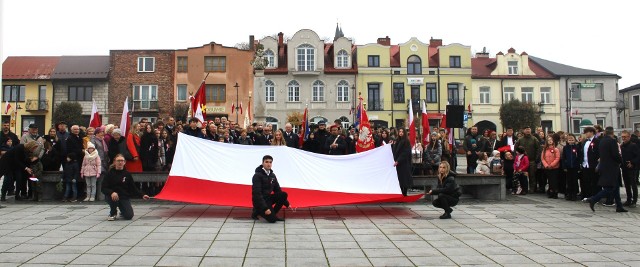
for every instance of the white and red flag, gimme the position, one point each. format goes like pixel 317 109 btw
pixel 426 130
pixel 365 136
pixel 95 117
pixel 125 119
pixel 7 107
pixel 412 126
pixel 357 178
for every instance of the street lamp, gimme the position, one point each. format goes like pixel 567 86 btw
pixel 237 98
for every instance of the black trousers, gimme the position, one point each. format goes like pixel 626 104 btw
pixel 126 210
pixel 445 202
pixel 9 178
pixel 552 178
pixel 572 182
pixel 631 184
pixel 275 201
pixel 589 182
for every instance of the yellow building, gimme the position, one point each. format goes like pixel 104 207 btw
pixel 512 76
pixel 27 87
pixel 392 76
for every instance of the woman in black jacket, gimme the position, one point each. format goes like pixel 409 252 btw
pixel 118 189
pixel 447 190
pixel 311 144
pixel 148 149
pixel 13 164
pixel 116 143
pixel 402 157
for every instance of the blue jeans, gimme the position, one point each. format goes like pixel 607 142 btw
pixel 71 186
pixel 608 192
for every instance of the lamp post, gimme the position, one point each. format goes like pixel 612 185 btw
pixel 249 109
pixel 237 98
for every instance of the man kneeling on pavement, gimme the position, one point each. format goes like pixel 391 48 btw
pixel 265 203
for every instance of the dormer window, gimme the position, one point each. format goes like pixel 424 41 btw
pixel 414 65
pixel 513 67
pixel 270 58
pixel 343 59
pixel 306 57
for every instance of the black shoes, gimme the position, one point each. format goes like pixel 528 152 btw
pixel 279 219
pixel 621 210
pixel 592 203
pixel 446 215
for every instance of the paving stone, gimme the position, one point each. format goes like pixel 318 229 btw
pixel 221 261
pixel 349 262
pixel 179 261
pixel 51 258
pixel 307 261
pixel 137 260
pixel 95 259
pixel 275 262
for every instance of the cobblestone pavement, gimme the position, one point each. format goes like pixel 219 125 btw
pixel 522 231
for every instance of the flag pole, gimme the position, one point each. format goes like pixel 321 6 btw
pixel 193 99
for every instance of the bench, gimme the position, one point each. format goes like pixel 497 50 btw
pixel 49 181
pixel 492 187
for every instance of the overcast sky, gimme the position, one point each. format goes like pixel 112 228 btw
pixel 598 35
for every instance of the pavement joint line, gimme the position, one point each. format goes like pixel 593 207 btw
pixel 324 250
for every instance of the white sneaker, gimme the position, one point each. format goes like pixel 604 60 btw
pixel 92 199
pixel 86 199
pixel 111 218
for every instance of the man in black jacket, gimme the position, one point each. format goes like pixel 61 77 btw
pixel 290 137
pixel 630 163
pixel 335 145
pixel 609 169
pixel 264 182
pixel 7 134
pixel 13 165
pixel 589 154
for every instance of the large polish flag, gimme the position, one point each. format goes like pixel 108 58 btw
pixel 217 173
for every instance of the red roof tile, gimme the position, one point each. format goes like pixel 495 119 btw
pixel 434 61
pixel 329 61
pixel 29 68
pixel 282 62
pixel 394 52
pixel 483 66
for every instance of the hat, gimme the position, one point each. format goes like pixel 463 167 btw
pixel 322 123
pixel 333 126
pixel 473 141
pixel 90 145
pixel 33 126
pixel 99 130
pixel 117 131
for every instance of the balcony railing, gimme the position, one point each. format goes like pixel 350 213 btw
pixel 375 105
pixel 37 105
pixel 139 105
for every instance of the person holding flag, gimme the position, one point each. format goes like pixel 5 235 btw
pixel 402 160
pixel 304 129
pixel 365 137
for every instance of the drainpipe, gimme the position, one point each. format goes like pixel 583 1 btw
pixel 439 98
pixel 502 97
pixel 393 100
pixel 568 109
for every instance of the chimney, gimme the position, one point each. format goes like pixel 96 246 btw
pixel 280 38
pixel 251 43
pixel 384 41
pixel 484 53
pixel 435 42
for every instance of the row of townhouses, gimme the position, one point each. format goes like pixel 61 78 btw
pixel 327 77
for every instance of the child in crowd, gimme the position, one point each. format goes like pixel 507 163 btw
pixel 70 177
pixel 520 170
pixel 90 171
pixel 571 165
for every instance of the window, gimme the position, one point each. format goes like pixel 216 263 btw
pixel 374 61
pixel 306 58
pixel 270 58
pixel 42 97
pixel 269 91
pixel 182 92
pixel 415 97
pixel 215 64
pixel 432 93
pixel 576 93
pixel 485 95
pixel 513 67
pixel 576 125
pixel 373 100
pixel 509 94
pixel 13 93
pixel 146 64
pixel 182 64
pixel 414 65
pixel 601 121
pixel 145 96
pixel 398 92
pixel 635 102
pixel 527 94
pixel 545 95
pixel 80 93
pixel 454 61
pixel 216 92
pixel 453 94
pixel 343 91
pixel 599 91
pixel 343 59
pixel 293 92
pixel 317 92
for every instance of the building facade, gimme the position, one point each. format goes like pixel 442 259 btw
pixel 390 77
pixel 305 72
pixel 146 77
pixel 224 68
pixel 83 79
pixel 584 94
pixel 629 108
pixel 512 76
pixel 27 86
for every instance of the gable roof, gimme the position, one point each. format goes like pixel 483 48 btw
pixel 28 68
pixel 559 69
pixel 630 88
pixel 481 67
pixel 82 67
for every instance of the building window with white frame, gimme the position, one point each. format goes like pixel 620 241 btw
pixel 576 125
pixel 527 94
pixel 576 93
pixel 545 95
pixel 269 91
pixel 509 94
pixel 145 97
pixel 599 89
pixel 146 64
pixel 601 121
pixel 343 91
pixel 306 57
pixel 635 102
pixel 513 67
pixel 343 59
pixel 181 92
pixel 271 59
pixel 317 91
pixel 432 93
pixel 485 95
pixel 293 94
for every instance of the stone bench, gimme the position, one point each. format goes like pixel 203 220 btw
pixel 49 180
pixel 480 186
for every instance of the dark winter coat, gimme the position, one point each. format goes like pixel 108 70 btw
pixel 15 159
pixel 262 186
pixel 339 150
pixel 114 147
pixel 71 171
pixel 593 153
pixel 531 146
pixel 51 160
pixel 121 182
pixel 9 135
pixel 630 153
pixel 148 151
pixel 311 145
pixel 570 157
pixel 447 186
pixel 74 145
pixel 402 155
pixel 610 160
pixel 291 139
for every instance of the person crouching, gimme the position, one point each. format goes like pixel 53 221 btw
pixel 118 187
pixel 264 182
pixel 447 190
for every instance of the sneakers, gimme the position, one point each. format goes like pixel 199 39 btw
pixel 519 191
pixel 75 200
pixel 111 218
pixel 91 199
pixel 609 205
pixel 86 199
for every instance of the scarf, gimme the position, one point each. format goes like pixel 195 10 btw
pixel 91 156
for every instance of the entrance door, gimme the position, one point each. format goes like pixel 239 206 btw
pixel 374 97
pixel 28 120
